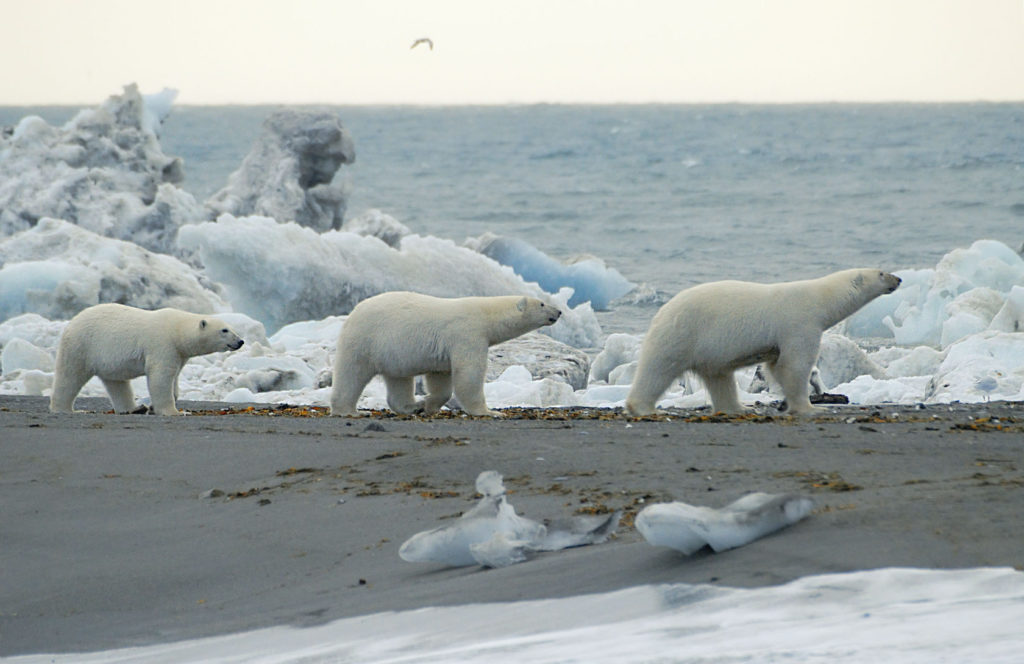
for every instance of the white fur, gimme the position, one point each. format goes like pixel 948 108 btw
pixel 716 328
pixel 401 335
pixel 118 343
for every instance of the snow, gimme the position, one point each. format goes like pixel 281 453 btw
pixel 897 615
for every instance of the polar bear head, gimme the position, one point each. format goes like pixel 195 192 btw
pixel 875 282
pixel 537 313
pixel 214 335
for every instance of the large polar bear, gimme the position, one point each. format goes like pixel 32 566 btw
pixel 401 335
pixel 118 343
pixel 716 328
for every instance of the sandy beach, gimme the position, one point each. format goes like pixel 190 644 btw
pixel 121 530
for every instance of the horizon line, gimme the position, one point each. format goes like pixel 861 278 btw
pixel 449 104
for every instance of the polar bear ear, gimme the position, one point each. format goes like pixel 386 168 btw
pixel 521 304
pixel 202 324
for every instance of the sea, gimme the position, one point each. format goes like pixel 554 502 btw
pixel 668 195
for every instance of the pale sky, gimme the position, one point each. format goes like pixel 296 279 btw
pixel 518 51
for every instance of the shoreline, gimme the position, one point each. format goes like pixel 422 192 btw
pixel 123 530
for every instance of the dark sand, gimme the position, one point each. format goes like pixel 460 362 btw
pixel 109 536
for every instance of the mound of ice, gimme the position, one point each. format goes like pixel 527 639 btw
pixel 34 329
pixel 687 528
pixel 963 295
pixel 282 273
pixel 22 354
pixel 516 387
pixel 104 170
pixel 619 349
pixel 493 535
pixel 841 359
pixel 591 280
pixel 289 173
pixel 377 224
pixel 56 269
pixel 543 357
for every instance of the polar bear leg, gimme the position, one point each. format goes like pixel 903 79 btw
pixel 348 385
pixel 468 376
pixel 648 386
pixel 121 395
pixel 401 396
pixel 66 386
pixel 160 381
pixel 722 390
pixel 793 371
pixel 439 391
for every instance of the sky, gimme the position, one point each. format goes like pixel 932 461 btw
pixel 513 51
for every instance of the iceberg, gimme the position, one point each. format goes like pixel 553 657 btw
pixel 104 170
pixel 289 173
pixel 591 280
pixel 962 295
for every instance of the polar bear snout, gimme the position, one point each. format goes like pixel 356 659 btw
pixel 554 315
pixel 892 281
pixel 230 339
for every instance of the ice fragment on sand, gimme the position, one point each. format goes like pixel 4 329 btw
pixel 493 535
pixel 688 528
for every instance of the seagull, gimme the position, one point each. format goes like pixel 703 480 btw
pixel 423 40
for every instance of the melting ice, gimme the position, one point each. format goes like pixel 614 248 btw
pixel 493 535
pixel 687 528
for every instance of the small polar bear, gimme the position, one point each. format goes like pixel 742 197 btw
pixel 401 335
pixel 118 343
pixel 715 328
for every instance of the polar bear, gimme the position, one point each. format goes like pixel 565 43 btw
pixel 118 343
pixel 401 335
pixel 716 328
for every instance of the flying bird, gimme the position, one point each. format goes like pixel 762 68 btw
pixel 423 40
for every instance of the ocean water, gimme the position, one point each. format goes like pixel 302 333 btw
pixel 668 195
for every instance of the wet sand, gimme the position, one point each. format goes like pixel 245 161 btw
pixel 120 530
